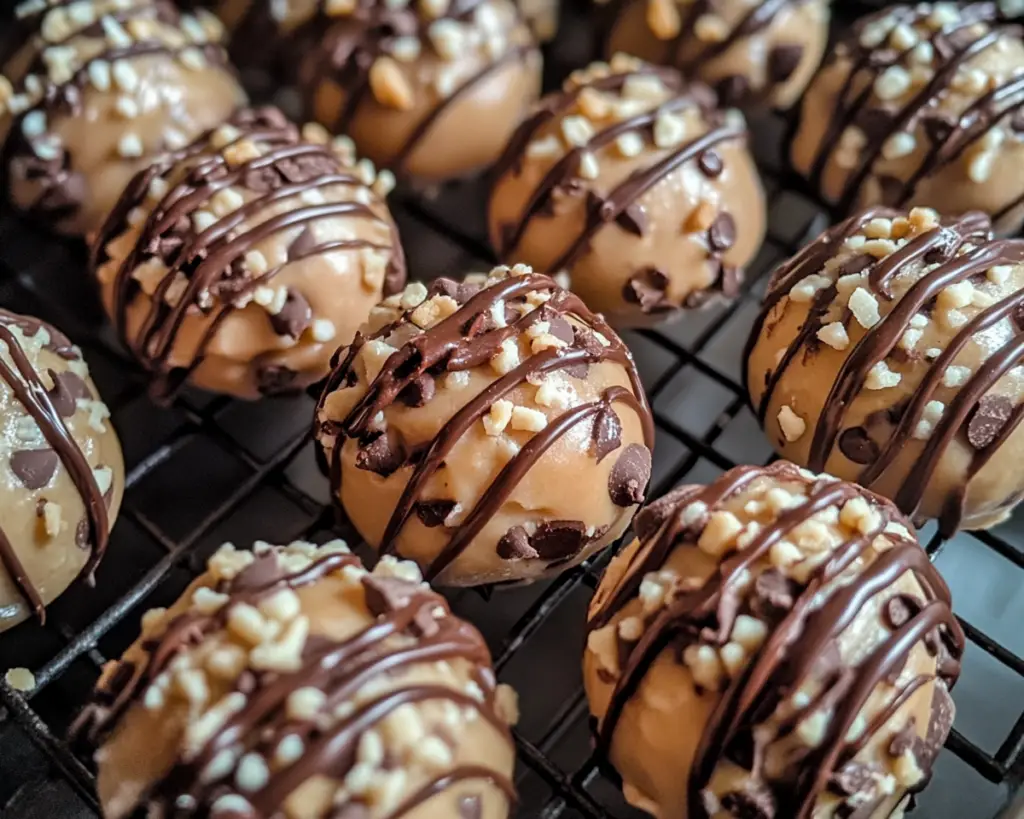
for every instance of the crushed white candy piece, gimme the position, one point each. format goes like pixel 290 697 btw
pixel 791 424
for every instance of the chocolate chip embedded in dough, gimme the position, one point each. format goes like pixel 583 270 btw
pixel 434 513
pixel 273 379
pixel 722 233
pixel 899 610
pixel 633 219
pixel 559 539
pixel 651 518
pixel 295 316
pixel 857 446
pixel 733 90
pixel 854 778
pixel 470 807
pixel 783 60
pixel 710 163
pixel 648 289
pixel 302 245
pixel 67 389
pixel 515 545
pixel 606 436
pixel 461 292
pixel 627 483
pixel 774 595
pixel 385 595
pixel 988 420
pixel 34 467
pixel 754 802
pixel 382 456
pixel 419 392
pixel 561 329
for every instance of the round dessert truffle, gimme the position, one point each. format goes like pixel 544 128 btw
pixel 98 89
pixel 432 90
pixel 242 262
pixel 887 352
pixel 753 54
pixel 922 105
pixel 775 644
pixel 634 185
pixel 289 681
pixel 61 471
pixel 491 430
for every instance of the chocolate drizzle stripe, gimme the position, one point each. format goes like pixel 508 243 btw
pixel 446 781
pixel 760 16
pixel 787 658
pixel 19 577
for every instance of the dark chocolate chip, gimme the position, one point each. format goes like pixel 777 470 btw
pixel 559 539
pixel 385 595
pixel 419 391
pixel 710 163
pixel 722 233
pixel 856 444
pixel 261 180
pixel 515 545
pixel 295 316
pixel 633 219
pixel 647 288
pixel 561 329
pixel 899 609
pixel 733 90
pixel 382 456
pixel 774 595
pixel 470 807
pixel 461 292
pixel 303 244
pixel 730 278
pixel 754 802
pixel 854 778
pixel 938 125
pixel 67 389
pixel 988 420
pixel 34 467
pixel 433 513
pixel 783 61
pixel 627 482
pixel 653 516
pixel 876 123
pixel 273 379
pixel 606 436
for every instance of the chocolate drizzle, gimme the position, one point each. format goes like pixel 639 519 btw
pixel 29 390
pixel 338 669
pixel 800 634
pixel 211 261
pixel 941 246
pixel 460 342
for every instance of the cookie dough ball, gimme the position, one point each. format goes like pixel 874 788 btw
pixel 887 352
pixel 61 471
pixel 776 644
pixel 637 187
pixel 289 681
pixel 99 89
pixel 431 90
pixel 753 53
pixel 920 106
pixel 242 262
pixel 491 430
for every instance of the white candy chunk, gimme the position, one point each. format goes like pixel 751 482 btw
pixel 498 417
pixel 880 377
pixel 864 307
pixel 791 424
pixel 834 335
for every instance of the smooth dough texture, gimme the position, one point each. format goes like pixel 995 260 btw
pixel 774 645
pixel 887 352
pixel 920 105
pixel 491 430
pixel 96 90
pixel 241 263
pixel 754 53
pixel 635 186
pixel 61 470
pixel 289 681
pixel 437 102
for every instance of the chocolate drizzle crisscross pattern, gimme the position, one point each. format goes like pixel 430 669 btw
pixel 800 632
pixel 460 342
pixel 945 242
pixel 337 668
pixel 212 260
pixel 28 388
pixel 954 45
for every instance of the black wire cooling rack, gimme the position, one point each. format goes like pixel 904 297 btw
pixel 208 470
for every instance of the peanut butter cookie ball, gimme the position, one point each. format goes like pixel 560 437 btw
pixel 753 53
pixel 774 645
pixel 922 105
pixel 241 263
pixel 289 681
pixel 888 353
pixel 99 88
pixel 634 185
pixel 61 471
pixel 431 90
pixel 491 430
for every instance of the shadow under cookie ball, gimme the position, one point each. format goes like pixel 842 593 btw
pixel 491 430
pixel 289 681
pixel 431 90
pixel 636 187
pixel 774 644
pixel 753 53
pixel 97 90
pixel 61 470
pixel 920 105
pixel 888 352
pixel 241 263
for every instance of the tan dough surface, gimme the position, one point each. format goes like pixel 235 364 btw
pixel 890 150
pixel 566 483
pixel 471 80
pixel 45 543
pixel 770 66
pixel 394 757
pixel 655 742
pixel 344 232
pixel 160 95
pixel 552 170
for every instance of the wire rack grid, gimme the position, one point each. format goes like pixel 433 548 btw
pixel 259 481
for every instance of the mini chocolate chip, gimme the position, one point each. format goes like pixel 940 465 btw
pixel 515 545
pixel 733 90
pixel 899 609
pixel 988 420
pixel 783 61
pixel 302 245
pixel 382 456
pixel 722 233
pixel 34 467
pixel 461 292
pixel 274 379
pixel 647 288
pixel 261 180
pixel 893 190
pixel 433 513
pixel 853 779
pixel 856 264
pixel 606 435
pixel 938 125
pixel 774 594
pixel 754 802
pixel 856 444
pixel 729 280
pixel 710 163
pixel 559 539
pixel 633 219
pixel 295 316
pixel 67 389
pixel 876 123
pixel 653 516
pixel 470 807
pixel 385 595
pixel 419 391
pixel 627 482
pixel 561 329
